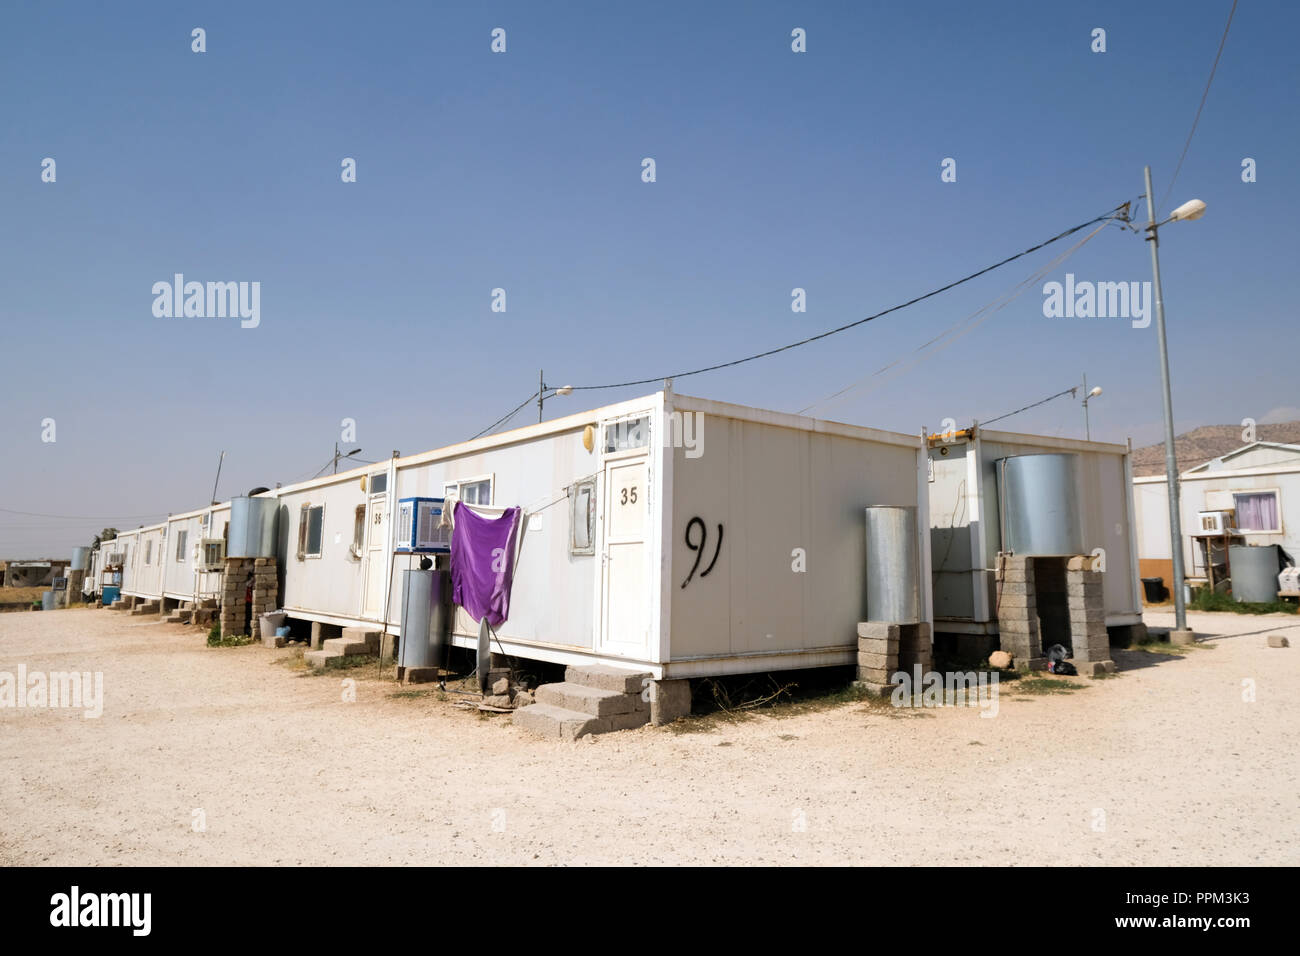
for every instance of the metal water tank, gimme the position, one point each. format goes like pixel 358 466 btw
pixel 1038 502
pixel 893 569
pixel 79 558
pixel 252 527
pixel 1254 571
pixel 426 618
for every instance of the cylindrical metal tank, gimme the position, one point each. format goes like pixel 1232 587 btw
pixel 79 558
pixel 426 618
pixel 1038 500
pixel 1254 570
pixel 893 572
pixel 252 527
pixel 47 601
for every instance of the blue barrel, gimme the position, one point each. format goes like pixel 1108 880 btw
pixel 110 593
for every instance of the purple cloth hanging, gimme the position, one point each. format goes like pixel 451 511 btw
pixel 483 562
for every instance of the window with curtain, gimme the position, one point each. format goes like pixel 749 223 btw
pixel 1257 511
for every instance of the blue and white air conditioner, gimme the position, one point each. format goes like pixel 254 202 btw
pixel 419 527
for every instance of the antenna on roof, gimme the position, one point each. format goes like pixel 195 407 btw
pixel 218 478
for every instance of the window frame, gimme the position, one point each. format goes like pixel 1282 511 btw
pixel 182 537
pixel 304 531
pixel 1277 509
pixel 452 489
pixel 575 520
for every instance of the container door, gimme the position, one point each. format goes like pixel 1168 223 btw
pixel 376 555
pixel 625 594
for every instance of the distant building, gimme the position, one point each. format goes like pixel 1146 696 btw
pixel 1259 483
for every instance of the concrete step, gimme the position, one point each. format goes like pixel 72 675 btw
pixel 367 634
pixel 592 701
pixel 559 723
pixel 605 677
pixel 321 659
pixel 347 645
pixel 179 617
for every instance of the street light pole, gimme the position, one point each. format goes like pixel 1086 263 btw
pixel 1181 634
pixel 1087 423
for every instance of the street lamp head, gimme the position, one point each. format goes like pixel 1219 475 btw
pixel 564 390
pixel 1095 392
pixel 1189 211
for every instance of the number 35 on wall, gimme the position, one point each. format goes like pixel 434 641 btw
pixel 628 495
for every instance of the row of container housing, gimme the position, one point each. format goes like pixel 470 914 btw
pixel 684 536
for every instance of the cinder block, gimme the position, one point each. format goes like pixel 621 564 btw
pixel 878 661
pixel 669 699
pixel 871 645
pixel 877 675
pixel 878 630
pixel 606 677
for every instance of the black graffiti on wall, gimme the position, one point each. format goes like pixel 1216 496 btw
pixel 698 548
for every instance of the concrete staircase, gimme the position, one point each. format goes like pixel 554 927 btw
pixel 594 699
pixel 147 607
pixel 355 641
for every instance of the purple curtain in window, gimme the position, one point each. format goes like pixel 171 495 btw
pixel 1256 512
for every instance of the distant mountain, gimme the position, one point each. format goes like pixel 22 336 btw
pixel 1209 441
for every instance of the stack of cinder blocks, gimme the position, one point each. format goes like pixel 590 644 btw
pixel 884 649
pixel 234 592
pixel 265 588
pixel 1083 596
pixel 1060 600
pixel 238 615
pixel 1018 613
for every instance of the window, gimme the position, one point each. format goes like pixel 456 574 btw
pixel 359 531
pixel 628 434
pixel 378 483
pixel 1257 511
pixel 148 551
pixel 582 517
pixel 311 528
pixel 474 491
pixel 181 537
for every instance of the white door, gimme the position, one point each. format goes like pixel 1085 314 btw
pixel 376 555
pixel 625 593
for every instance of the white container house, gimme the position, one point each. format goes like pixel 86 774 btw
pixel 966 537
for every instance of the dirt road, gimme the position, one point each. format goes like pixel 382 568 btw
pixel 1166 763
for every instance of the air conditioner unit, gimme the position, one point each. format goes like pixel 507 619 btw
pixel 212 557
pixel 419 527
pixel 1213 523
pixel 113 558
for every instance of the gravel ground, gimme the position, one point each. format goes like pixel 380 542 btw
pixel 1165 764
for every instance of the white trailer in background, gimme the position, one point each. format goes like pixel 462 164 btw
pixel 966 536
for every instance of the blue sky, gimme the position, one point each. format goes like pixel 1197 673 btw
pixel 522 171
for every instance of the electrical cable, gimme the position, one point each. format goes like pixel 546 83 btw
pixel 1197 119
pixel 505 418
pixel 1068 391
pixel 991 308
pixel 1111 214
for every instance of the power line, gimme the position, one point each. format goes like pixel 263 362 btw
pixel 1197 119
pixel 955 331
pixel 844 328
pixel 505 418
pixel 1068 391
